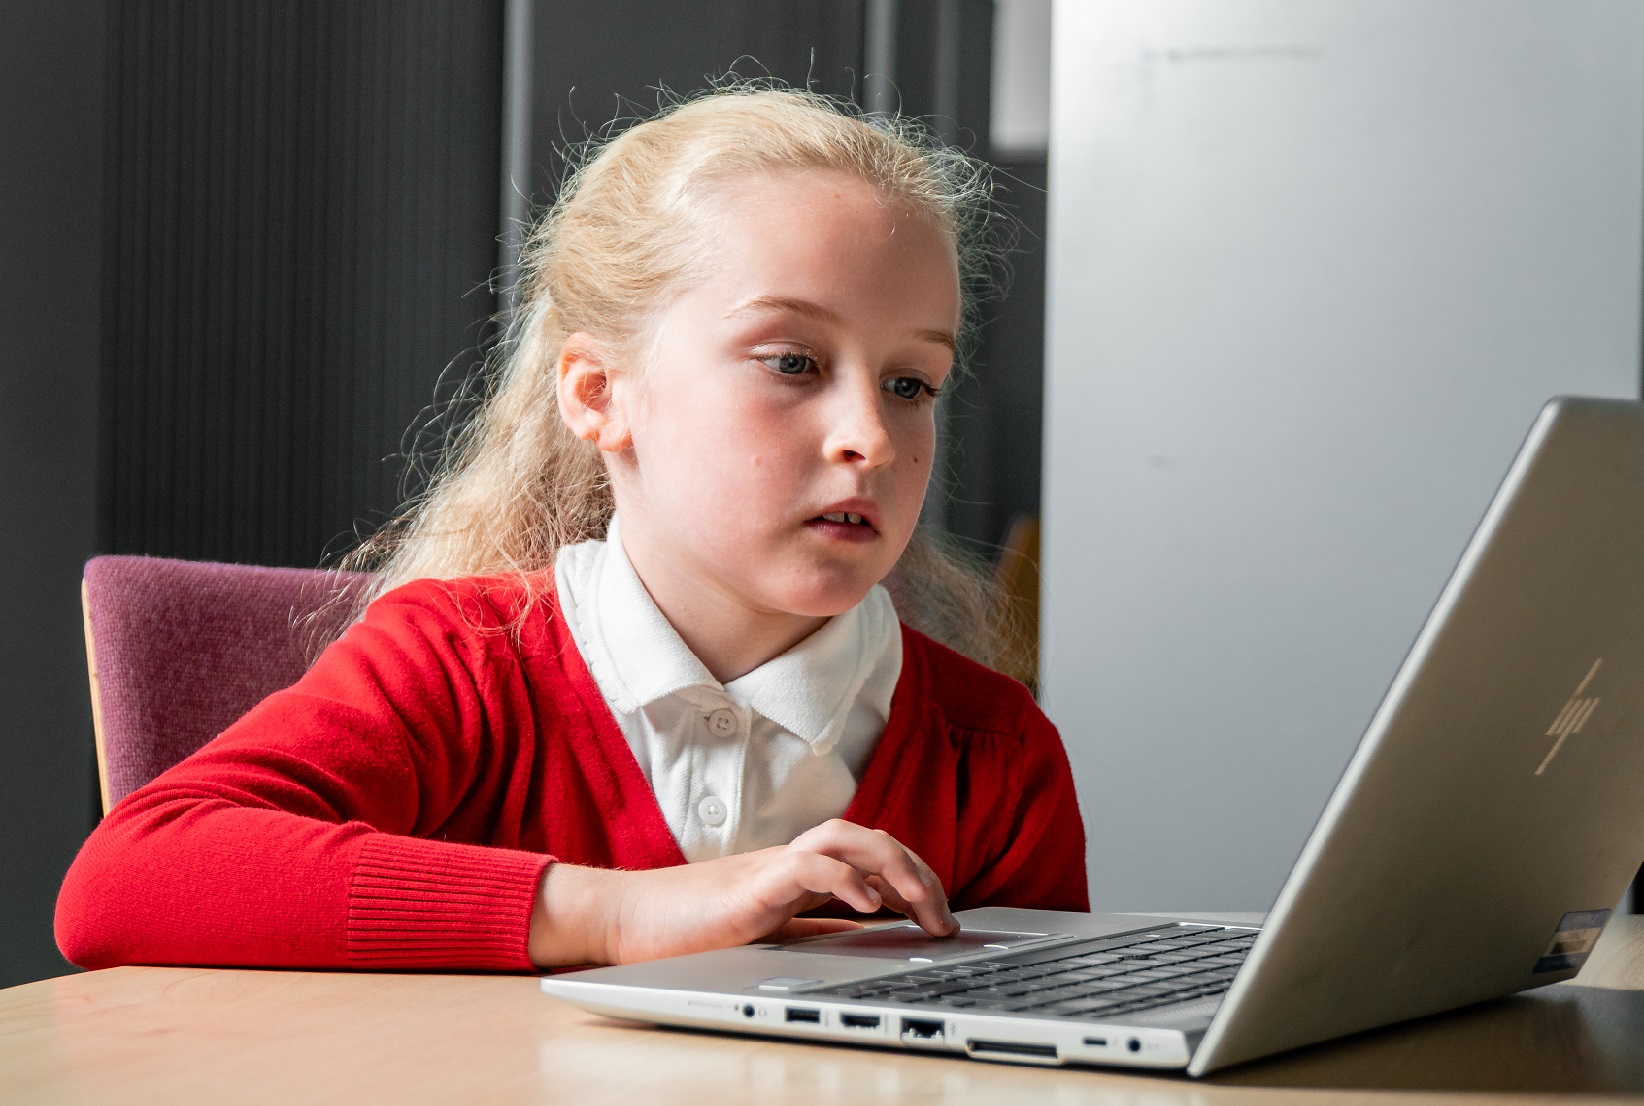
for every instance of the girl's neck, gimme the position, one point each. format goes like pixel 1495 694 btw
pixel 726 633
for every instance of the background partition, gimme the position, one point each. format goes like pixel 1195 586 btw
pixel 51 97
pixel 301 209
pixel 1314 268
pixel 249 245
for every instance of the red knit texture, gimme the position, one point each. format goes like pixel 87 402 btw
pixel 396 807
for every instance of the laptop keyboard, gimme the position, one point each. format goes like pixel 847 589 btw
pixel 1081 979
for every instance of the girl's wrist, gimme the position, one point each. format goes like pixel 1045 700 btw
pixel 574 920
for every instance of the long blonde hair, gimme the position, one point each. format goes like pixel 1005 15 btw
pixel 515 485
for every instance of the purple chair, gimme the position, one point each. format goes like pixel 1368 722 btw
pixel 177 650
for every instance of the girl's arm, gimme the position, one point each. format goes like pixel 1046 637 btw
pixel 1035 835
pixel 311 834
pixel 299 837
pixel 595 916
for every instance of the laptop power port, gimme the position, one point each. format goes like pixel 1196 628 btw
pixel 859 1021
pixel 915 1030
pixel 800 1014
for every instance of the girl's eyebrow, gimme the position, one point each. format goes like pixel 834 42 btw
pixel 785 303
pixel 811 310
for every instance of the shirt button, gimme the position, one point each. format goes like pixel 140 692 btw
pixel 722 723
pixel 711 810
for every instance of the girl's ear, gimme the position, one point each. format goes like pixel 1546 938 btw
pixel 586 398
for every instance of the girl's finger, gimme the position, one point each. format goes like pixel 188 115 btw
pixel 796 928
pixel 909 885
pixel 805 871
pixel 931 913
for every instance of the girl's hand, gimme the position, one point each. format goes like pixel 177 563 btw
pixel 598 916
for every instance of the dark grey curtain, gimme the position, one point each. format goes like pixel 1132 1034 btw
pixel 301 216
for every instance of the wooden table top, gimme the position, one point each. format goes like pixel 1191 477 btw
pixel 181 1035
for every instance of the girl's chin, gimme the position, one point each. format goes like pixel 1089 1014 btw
pixel 819 579
pixel 822 601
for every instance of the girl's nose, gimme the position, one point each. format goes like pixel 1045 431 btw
pixel 857 433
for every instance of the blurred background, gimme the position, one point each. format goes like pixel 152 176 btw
pixel 1290 282
pixel 246 245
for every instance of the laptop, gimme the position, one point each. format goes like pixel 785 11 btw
pixel 1490 819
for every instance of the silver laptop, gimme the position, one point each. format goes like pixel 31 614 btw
pixel 1491 817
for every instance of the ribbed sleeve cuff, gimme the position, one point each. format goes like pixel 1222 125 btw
pixel 416 903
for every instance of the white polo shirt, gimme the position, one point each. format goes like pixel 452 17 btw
pixel 748 764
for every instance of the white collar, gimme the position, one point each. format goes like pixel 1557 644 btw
pixel 637 658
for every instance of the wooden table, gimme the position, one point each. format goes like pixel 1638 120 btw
pixel 180 1035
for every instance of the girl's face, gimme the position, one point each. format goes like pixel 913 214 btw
pixel 781 422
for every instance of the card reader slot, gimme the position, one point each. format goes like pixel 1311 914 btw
pixel 1019 1051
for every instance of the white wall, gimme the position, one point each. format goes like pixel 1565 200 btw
pixel 1313 269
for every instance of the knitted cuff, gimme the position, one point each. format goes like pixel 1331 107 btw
pixel 416 903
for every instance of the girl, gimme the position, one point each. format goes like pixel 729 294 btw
pixel 631 686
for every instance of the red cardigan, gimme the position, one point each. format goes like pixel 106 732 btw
pixel 395 808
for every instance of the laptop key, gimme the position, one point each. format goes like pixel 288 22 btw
pixel 1017 990
pixel 1003 978
pixel 949 989
pixel 1085 975
pixel 1063 994
pixel 1108 971
pixel 1148 989
pixel 1076 948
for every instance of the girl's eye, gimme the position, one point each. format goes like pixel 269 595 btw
pixel 789 363
pixel 909 387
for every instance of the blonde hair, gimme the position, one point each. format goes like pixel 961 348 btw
pixel 515 485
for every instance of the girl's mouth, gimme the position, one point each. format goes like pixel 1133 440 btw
pixel 843 526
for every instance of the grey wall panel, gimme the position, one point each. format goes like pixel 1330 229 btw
pixel 51 97
pixel 599 62
pixel 301 221
pixel 1313 269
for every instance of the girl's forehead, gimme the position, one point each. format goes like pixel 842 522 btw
pixel 814 190
pixel 822 237
pixel 826 248
pixel 817 218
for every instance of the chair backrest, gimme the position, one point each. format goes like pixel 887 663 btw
pixel 177 650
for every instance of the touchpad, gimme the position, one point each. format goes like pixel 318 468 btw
pixel 909 942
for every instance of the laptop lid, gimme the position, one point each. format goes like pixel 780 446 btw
pixel 1494 810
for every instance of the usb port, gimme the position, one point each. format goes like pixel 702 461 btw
pixel 800 1014
pixel 859 1021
